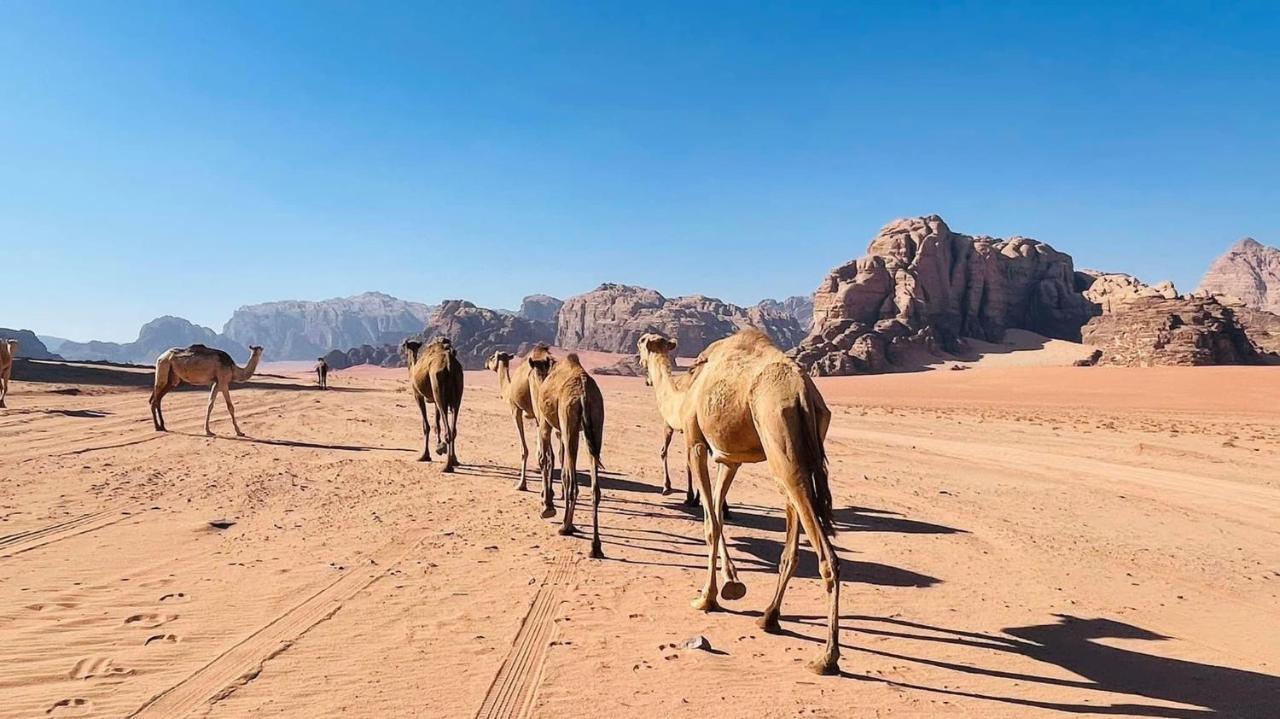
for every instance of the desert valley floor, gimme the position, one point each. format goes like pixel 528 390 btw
pixel 1016 542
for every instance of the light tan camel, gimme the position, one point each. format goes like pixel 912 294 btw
pixel 670 388
pixel 322 373
pixel 749 403
pixel 8 352
pixel 436 377
pixel 514 388
pixel 568 401
pixel 198 364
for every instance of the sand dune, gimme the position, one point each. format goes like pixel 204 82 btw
pixel 1015 542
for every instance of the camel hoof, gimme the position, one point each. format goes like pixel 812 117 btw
pixel 522 487
pixel 548 513
pixel 733 590
pixel 596 551
pixel 210 434
pixel 239 434
pixel 448 469
pixel 769 623
pixel 825 666
pixel 666 491
pixel 442 450
pixel 691 501
pixel 568 531
pixel 705 604
pixel 424 457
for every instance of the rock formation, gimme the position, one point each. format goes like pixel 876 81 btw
pixel 380 355
pixel 612 317
pixel 922 287
pixel 154 338
pixel 29 345
pixel 1109 290
pixel 540 308
pixel 797 306
pixel 304 330
pixel 1156 330
pixel 1248 272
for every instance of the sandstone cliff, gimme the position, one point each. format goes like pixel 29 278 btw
pixel 154 338
pixel 301 330
pixel 1249 272
pixel 29 345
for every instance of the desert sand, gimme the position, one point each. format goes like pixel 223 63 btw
pixel 1015 542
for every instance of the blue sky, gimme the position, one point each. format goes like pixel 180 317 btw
pixel 187 158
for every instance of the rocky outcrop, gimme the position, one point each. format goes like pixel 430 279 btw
pixel 302 330
pixel 612 317
pixel 154 338
pixel 380 355
pixel 628 366
pixel 923 288
pixel 1248 272
pixel 540 308
pixel 1108 291
pixel 798 306
pixel 1155 330
pixel 476 332
pixel 29 345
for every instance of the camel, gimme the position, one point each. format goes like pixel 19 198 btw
pixel 198 364
pixel 322 373
pixel 568 401
pixel 514 388
pixel 670 388
pixel 436 377
pixel 746 403
pixel 8 352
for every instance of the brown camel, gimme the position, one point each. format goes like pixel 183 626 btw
pixel 567 400
pixel 8 352
pixel 322 373
pixel 747 403
pixel 514 388
pixel 670 388
pixel 198 364
pixel 436 377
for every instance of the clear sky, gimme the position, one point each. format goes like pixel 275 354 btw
pixel 187 158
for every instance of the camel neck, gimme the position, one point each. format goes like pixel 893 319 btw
pixel 660 375
pixel 244 373
pixel 504 377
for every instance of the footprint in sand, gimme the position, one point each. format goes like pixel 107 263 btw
pixel 49 606
pixel 91 667
pixel 174 598
pixel 150 620
pixel 70 708
pixel 161 639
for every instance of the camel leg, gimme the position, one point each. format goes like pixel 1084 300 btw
pixel 453 438
pixel 544 464
pixel 691 495
pixel 226 395
pixel 442 447
pixel 4 389
pixel 518 415
pixel 732 588
pixel 711 528
pixel 426 429
pixel 786 570
pixel 666 473
pixel 569 480
pixel 208 414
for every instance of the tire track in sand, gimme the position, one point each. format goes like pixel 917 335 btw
pixel 242 663
pixel 20 542
pixel 514 686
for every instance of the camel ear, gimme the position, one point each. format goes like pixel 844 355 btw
pixel 505 356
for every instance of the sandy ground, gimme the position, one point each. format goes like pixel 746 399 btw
pixel 1030 542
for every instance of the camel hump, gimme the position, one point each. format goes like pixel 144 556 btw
pixel 572 359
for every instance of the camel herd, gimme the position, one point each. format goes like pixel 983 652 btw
pixel 742 402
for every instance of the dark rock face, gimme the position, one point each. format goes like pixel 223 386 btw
pixel 628 366
pixel 923 287
pixel 381 355
pixel 540 308
pixel 304 330
pixel 798 306
pixel 612 317
pixel 1154 330
pixel 154 338
pixel 1248 272
pixel 29 345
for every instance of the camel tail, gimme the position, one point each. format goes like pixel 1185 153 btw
pixel 815 460
pixel 594 440
pixel 443 405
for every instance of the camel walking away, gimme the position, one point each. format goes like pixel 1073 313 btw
pixel 199 365
pixel 514 388
pixel 568 401
pixel 749 403
pixel 322 373
pixel 436 377
pixel 8 353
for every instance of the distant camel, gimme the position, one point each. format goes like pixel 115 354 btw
pixel 8 351
pixel 514 388
pixel 436 377
pixel 670 388
pixel 749 403
pixel 322 373
pixel 567 400
pixel 198 365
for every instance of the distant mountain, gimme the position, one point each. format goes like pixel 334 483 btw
pixel 299 330
pixel 798 306
pixel 29 345
pixel 540 308
pixel 1248 272
pixel 53 343
pixel 154 338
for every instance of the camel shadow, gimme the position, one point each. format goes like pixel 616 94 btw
pixel 298 443
pixel 768 552
pixel 80 413
pixel 847 519
pixel 1071 643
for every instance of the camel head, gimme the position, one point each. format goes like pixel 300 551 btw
pixel 497 360
pixel 540 360
pixel 255 349
pixel 653 344
pixel 410 349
